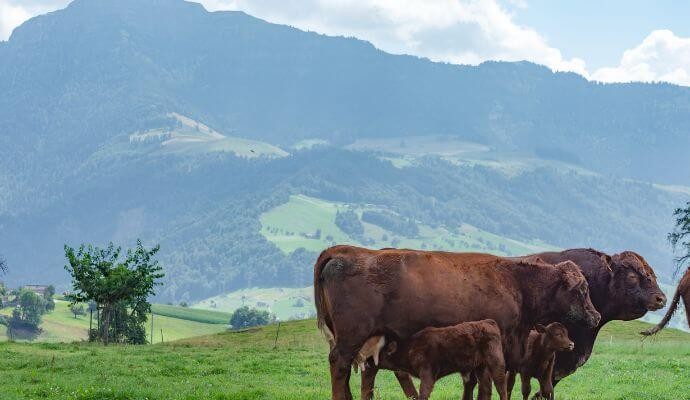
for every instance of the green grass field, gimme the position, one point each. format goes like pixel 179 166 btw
pixel 292 225
pixel 191 314
pixel 246 366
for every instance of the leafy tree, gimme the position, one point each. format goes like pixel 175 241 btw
pixel 245 317
pixel 680 237
pixel 3 265
pixel 48 296
pixel 120 286
pixel 77 310
pixel 29 310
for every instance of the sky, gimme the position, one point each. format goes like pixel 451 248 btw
pixel 606 40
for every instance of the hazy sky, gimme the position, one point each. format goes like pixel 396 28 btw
pixel 610 40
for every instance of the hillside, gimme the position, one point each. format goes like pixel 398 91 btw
pixel 246 365
pixel 230 141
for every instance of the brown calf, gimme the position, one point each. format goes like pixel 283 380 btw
pixel 432 353
pixel 542 345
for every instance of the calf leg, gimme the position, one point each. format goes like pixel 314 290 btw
pixel 538 395
pixel 427 385
pixel 341 364
pixel 498 374
pixel 368 378
pixel 484 384
pixel 526 386
pixel 546 389
pixel 469 381
pixel 510 382
pixel 406 384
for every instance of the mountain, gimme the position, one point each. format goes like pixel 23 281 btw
pixel 158 119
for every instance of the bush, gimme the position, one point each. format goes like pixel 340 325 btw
pixel 245 317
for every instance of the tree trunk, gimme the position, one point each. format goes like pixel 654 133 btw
pixel 105 331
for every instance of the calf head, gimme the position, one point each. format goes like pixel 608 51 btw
pixel 555 337
pixel 633 289
pixel 572 297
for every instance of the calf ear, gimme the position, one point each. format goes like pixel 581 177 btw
pixel 540 328
pixel 391 348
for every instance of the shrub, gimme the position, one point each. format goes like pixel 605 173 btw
pixel 245 317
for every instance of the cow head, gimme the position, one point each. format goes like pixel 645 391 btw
pixel 572 296
pixel 555 337
pixel 633 289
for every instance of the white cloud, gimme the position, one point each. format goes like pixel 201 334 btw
pixel 662 56
pixel 11 16
pixel 14 12
pixel 457 31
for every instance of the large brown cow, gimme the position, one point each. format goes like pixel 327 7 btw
pixel 683 291
pixel 361 293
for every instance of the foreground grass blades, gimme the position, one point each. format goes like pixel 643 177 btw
pixel 245 365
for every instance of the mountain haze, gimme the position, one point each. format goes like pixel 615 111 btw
pixel 158 119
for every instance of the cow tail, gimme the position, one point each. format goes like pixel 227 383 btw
pixel 322 317
pixel 671 310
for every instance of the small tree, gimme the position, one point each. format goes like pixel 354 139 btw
pixel 3 265
pixel 680 237
pixel 77 310
pixel 245 317
pixel 48 296
pixel 120 287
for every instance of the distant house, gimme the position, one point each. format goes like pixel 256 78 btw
pixel 38 289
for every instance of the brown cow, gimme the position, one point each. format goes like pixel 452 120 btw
pixel 360 293
pixel 542 345
pixel 683 291
pixel 434 353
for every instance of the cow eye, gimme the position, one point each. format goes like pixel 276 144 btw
pixel 632 279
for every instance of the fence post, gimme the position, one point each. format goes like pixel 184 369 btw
pixel 275 343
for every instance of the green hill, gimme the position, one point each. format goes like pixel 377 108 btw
pixel 310 223
pixel 246 365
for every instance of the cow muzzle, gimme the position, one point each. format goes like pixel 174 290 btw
pixel 593 318
pixel 657 302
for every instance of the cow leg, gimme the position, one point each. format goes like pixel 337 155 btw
pixel 427 385
pixel 407 385
pixel 368 378
pixel 469 381
pixel 341 367
pixel 526 386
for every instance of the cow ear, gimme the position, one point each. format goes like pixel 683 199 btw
pixel 606 261
pixel 540 328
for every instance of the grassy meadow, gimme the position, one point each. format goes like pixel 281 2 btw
pixel 245 365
